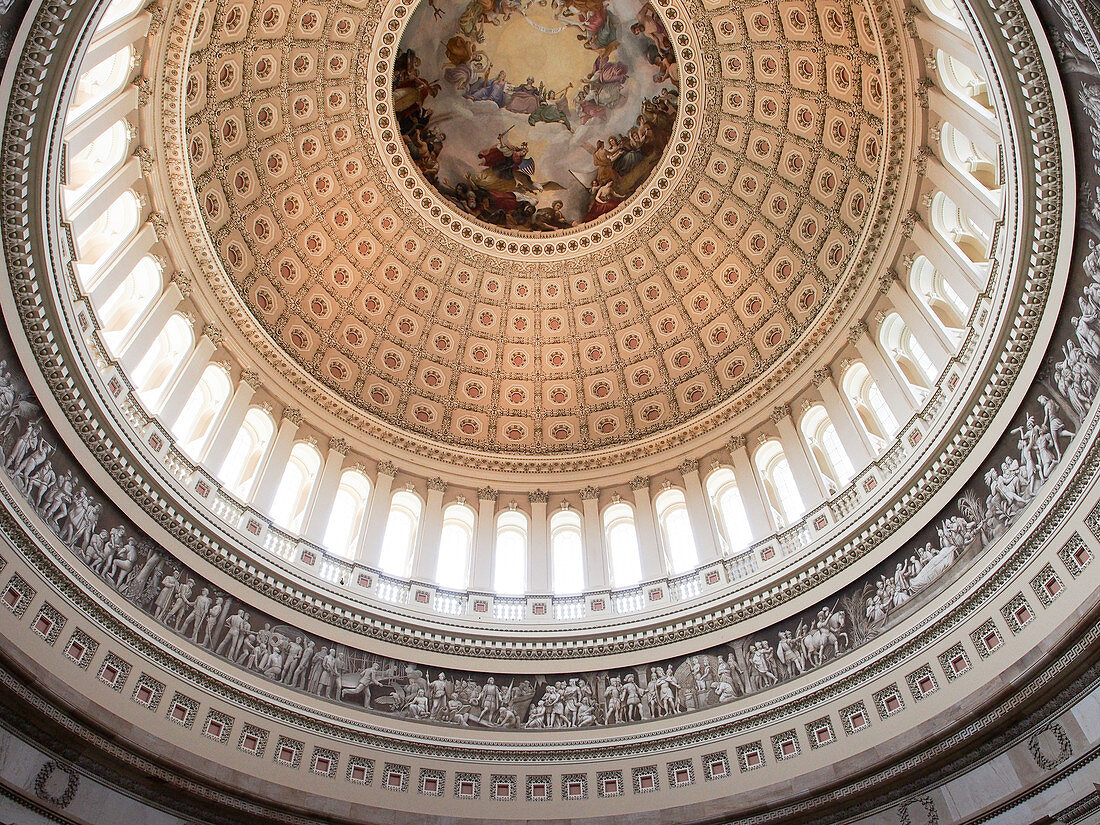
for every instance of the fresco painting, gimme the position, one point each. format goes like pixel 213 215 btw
pixel 36 463
pixel 536 115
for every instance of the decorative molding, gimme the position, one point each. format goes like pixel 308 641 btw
pixel 183 283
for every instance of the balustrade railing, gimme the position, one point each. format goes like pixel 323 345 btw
pixel 450 604
pixel 569 609
pixel 755 560
pixel 509 610
pixel 390 590
pixel 628 601
pixel 686 587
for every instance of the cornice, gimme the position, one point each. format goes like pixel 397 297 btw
pixel 891 190
pixel 100 442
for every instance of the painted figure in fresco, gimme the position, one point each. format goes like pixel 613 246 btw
pixel 631 697
pixel 820 639
pixel 791 656
pixel 411 91
pixel 1055 427
pixel 537 718
pixel 506 718
pixel 524 98
pixel 553 108
pixel 293 656
pixel 200 607
pixel 368 679
pixel 723 691
pixel 272 665
pixel 606 81
pixel 57 500
pixel 490 699
pixel 506 166
pixel 40 484
pixel 418 705
pixel 330 679
pixel 34 459
pixel 84 529
pixel 168 587
pixel 668 693
pixel 182 601
pixel 761 660
pixel 298 677
pixel 232 640
pixel 469 79
pixel 613 696
pixel 122 564
pixel 439 692
pixel 492 89
pixel 211 623
pixel 599 28
pixel 313 683
pixel 550 218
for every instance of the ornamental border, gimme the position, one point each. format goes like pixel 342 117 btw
pixel 17 241
pixel 185 212
pixel 1027 541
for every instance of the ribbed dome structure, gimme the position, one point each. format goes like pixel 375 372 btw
pixel 549 410
pixel 737 236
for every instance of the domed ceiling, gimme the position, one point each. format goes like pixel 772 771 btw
pixel 539 226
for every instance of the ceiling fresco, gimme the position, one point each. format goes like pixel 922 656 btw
pixel 536 115
pixel 603 237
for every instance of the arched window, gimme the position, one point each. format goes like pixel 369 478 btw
pixel 676 532
pixel 905 351
pixel 946 11
pixel 292 496
pixel 960 81
pixel 96 161
pixel 109 231
pixel 100 82
pixel 869 405
pixel 961 153
pixel 163 359
pixel 936 293
pixel 349 508
pixel 510 560
pixel 961 232
pixel 130 300
pixel 117 11
pixel 566 552
pixel 241 467
pixel 825 445
pixel 456 544
pixel 725 499
pixel 400 537
pixel 779 484
pixel 621 536
pixel 204 405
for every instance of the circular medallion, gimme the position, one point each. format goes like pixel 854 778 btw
pixel 536 115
